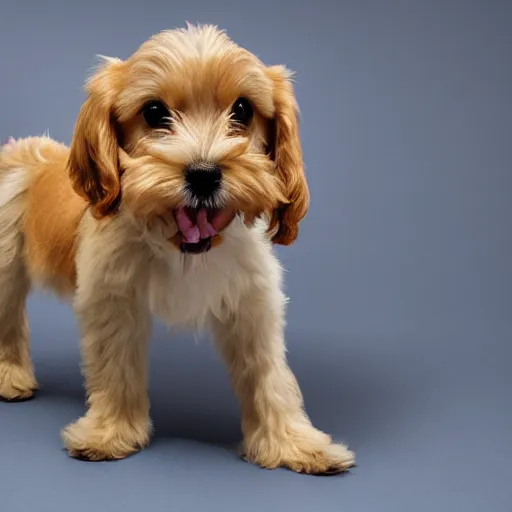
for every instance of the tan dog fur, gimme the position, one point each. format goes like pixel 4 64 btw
pixel 94 224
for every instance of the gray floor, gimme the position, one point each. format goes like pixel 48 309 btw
pixel 400 321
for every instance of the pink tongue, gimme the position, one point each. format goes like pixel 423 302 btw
pixel 194 231
pixel 206 230
pixel 187 227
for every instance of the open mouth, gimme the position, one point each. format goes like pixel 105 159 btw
pixel 198 226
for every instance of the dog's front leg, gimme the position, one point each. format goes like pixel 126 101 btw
pixel 114 322
pixel 114 346
pixel 277 431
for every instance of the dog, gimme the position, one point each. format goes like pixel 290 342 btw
pixel 184 170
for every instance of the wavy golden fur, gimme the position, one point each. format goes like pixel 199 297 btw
pixel 112 149
pixel 99 224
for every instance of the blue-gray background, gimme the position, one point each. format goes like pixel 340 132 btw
pixel 400 321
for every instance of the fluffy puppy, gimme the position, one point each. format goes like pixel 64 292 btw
pixel 184 169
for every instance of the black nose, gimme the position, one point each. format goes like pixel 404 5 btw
pixel 203 180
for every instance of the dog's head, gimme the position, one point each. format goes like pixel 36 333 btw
pixel 192 124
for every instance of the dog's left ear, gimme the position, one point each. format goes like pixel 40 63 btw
pixel 93 162
pixel 286 150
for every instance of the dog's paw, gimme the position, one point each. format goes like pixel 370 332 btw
pixel 16 382
pixel 96 440
pixel 330 460
pixel 313 454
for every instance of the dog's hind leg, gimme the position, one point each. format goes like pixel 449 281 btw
pixel 17 381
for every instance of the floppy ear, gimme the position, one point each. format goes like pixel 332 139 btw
pixel 286 151
pixel 93 162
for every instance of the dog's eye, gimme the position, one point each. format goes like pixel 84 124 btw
pixel 242 111
pixel 156 114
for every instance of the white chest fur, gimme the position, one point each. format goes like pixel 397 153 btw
pixel 184 290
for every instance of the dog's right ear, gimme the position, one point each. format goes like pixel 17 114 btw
pixel 93 162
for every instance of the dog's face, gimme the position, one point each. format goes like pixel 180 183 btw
pixel 195 125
